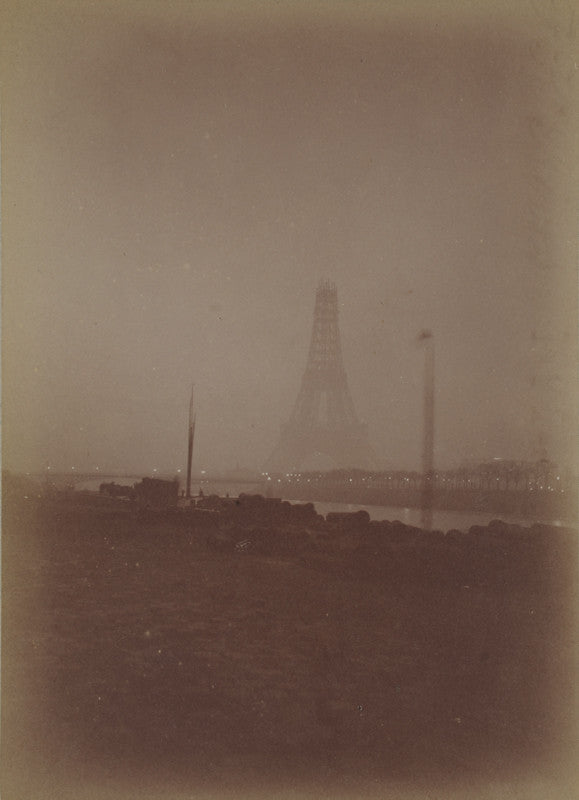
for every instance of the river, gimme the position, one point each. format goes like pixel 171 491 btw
pixel 441 520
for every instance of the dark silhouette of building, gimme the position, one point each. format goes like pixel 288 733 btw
pixel 156 493
pixel 323 419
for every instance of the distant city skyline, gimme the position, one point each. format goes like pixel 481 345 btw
pixel 178 179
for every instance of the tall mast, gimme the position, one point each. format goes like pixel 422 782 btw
pixel 190 445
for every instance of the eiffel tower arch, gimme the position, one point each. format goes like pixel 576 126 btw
pixel 323 420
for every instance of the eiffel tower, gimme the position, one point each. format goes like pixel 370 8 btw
pixel 323 420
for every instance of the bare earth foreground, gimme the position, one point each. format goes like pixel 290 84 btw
pixel 141 658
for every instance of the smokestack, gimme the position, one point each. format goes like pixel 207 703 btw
pixel 190 445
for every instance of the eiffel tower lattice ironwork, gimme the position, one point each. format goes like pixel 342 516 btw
pixel 323 420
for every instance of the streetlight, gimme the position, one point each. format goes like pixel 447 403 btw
pixel 190 445
pixel 428 431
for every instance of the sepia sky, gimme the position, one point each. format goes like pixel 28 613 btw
pixel 178 177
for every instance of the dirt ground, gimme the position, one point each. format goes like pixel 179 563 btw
pixel 136 655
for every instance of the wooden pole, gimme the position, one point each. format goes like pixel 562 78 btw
pixel 190 446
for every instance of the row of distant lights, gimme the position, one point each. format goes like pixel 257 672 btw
pixel 298 476
pixel 289 475
pixel 97 469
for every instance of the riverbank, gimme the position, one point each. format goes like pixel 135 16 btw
pixel 539 501
pixel 152 650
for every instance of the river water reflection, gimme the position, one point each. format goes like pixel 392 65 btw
pixel 441 520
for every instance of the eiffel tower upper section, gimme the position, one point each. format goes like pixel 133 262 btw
pixel 323 418
pixel 324 397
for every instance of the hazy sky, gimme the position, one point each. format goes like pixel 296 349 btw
pixel 178 179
